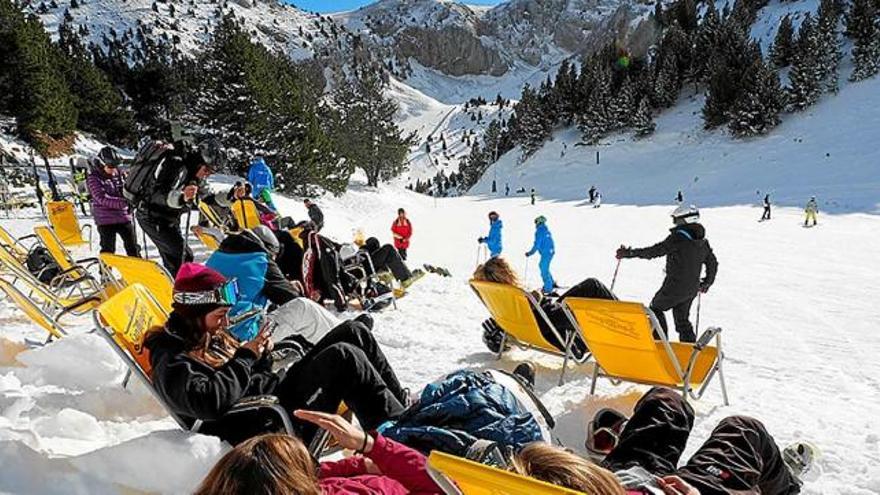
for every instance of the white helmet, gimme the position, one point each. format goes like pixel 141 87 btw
pixel 686 214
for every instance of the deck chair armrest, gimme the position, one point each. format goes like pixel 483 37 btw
pixel 268 402
pixel 79 275
pixel 706 338
pixel 73 307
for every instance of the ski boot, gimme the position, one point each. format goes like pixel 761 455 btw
pixel 800 458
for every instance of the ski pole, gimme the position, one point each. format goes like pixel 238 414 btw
pixel 614 278
pixel 526 273
pixel 699 300
pixel 186 233
pixel 479 246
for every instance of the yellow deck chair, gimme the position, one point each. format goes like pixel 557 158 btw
pixel 15 245
pixel 62 217
pixel 68 292
pixel 621 337
pixel 50 240
pixel 246 214
pixel 126 318
pixel 140 271
pixel 514 310
pixel 211 216
pixel 32 310
pixel 209 236
pixel 457 476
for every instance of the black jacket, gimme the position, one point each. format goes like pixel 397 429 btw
pixel 316 216
pixel 686 250
pixel 291 256
pixel 178 169
pixel 276 287
pixel 195 390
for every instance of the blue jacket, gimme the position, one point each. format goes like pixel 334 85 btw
pixel 466 406
pixel 493 240
pixel 260 176
pixel 543 241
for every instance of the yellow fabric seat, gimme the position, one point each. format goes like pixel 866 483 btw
pixel 514 310
pixel 14 245
pixel 52 242
pixel 621 337
pixel 210 237
pixel 141 271
pixel 211 216
pixel 246 214
pixel 62 218
pixel 457 476
pixel 32 310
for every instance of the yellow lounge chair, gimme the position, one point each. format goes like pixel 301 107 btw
pixel 246 214
pixel 15 245
pixel 50 240
pixel 621 337
pixel 140 271
pixel 32 310
pixel 211 216
pixel 515 310
pixel 457 476
pixel 62 217
pixel 126 318
pixel 209 236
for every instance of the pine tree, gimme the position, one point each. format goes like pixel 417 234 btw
pixel 622 106
pixel 706 42
pixel 757 108
pixel 565 88
pixel 783 44
pixel 863 25
pixel 643 121
pixel 595 123
pixel 734 56
pixel 805 76
pixel 829 55
pixel 533 123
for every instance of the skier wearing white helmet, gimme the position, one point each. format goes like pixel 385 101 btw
pixel 686 250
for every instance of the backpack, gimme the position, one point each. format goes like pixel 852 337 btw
pixel 144 171
pixel 42 265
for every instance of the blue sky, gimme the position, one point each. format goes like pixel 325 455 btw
pixel 342 5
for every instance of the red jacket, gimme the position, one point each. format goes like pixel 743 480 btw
pixel 403 469
pixel 404 230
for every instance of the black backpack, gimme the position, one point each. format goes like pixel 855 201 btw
pixel 42 265
pixel 144 171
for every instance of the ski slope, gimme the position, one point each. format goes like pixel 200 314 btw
pixel 796 306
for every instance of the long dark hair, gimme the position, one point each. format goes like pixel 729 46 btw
pixel 214 350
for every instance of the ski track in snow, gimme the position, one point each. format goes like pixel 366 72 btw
pixel 795 305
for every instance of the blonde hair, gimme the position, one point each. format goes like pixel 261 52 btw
pixel 271 464
pixel 554 465
pixel 497 270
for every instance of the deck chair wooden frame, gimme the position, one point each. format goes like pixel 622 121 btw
pixel 34 311
pixel 124 320
pixel 458 476
pixel 246 214
pixel 65 293
pixel 621 336
pixel 139 271
pixel 520 325
pixel 50 240
pixel 62 218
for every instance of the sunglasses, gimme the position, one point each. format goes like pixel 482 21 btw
pixel 226 295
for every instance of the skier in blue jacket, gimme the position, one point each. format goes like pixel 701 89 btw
pixel 544 246
pixel 493 240
pixel 262 181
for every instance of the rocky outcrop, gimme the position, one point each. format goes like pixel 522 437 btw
pixel 451 50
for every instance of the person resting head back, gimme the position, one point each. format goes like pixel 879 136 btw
pixel 497 270
pixel 560 467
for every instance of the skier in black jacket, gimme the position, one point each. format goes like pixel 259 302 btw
pixel 201 372
pixel 315 215
pixel 180 182
pixel 686 250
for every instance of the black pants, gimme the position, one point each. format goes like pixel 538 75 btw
pixel 740 455
pixel 346 365
pixel 387 258
pixel 681 311
pixel 402 252
pixel 766 215
pixel 165 233
pixel 108 234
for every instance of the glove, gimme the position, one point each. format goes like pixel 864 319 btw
pixel 528 254
pixel 481 240
pixel 704 287
pixel 623 252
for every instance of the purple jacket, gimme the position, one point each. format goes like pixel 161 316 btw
pixel 108 205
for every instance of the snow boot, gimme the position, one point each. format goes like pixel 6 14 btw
pixel 416 275
pixel 493 335
pixel 800 458
pixel 526 372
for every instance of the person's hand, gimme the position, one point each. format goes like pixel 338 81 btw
pixel 704 287
pixel 259 344
pixel 528 253
pixel 673 485
pixel 346 434
pixel 189 192
pixel 480 240
pixel 622 252
pixel 239 192
pixel 370 467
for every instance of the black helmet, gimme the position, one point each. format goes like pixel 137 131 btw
pixel 109 157
pixel 212 152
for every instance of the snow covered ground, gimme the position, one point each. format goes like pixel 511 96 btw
pixel 795 304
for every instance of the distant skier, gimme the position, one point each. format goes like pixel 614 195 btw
pixel 493 240
pixel 679 198
pixel 812 211
pixel 597 200
pixel 533 195
pixel 316 216
pixel 543 245
pixel 494 187
pixel 262 181
pixel 592 194
pixel 401 230
pixel 766 215
pixel 686 250
pixel 506 189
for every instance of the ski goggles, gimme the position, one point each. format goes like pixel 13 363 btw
pixel 603 432
pixel 225 295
